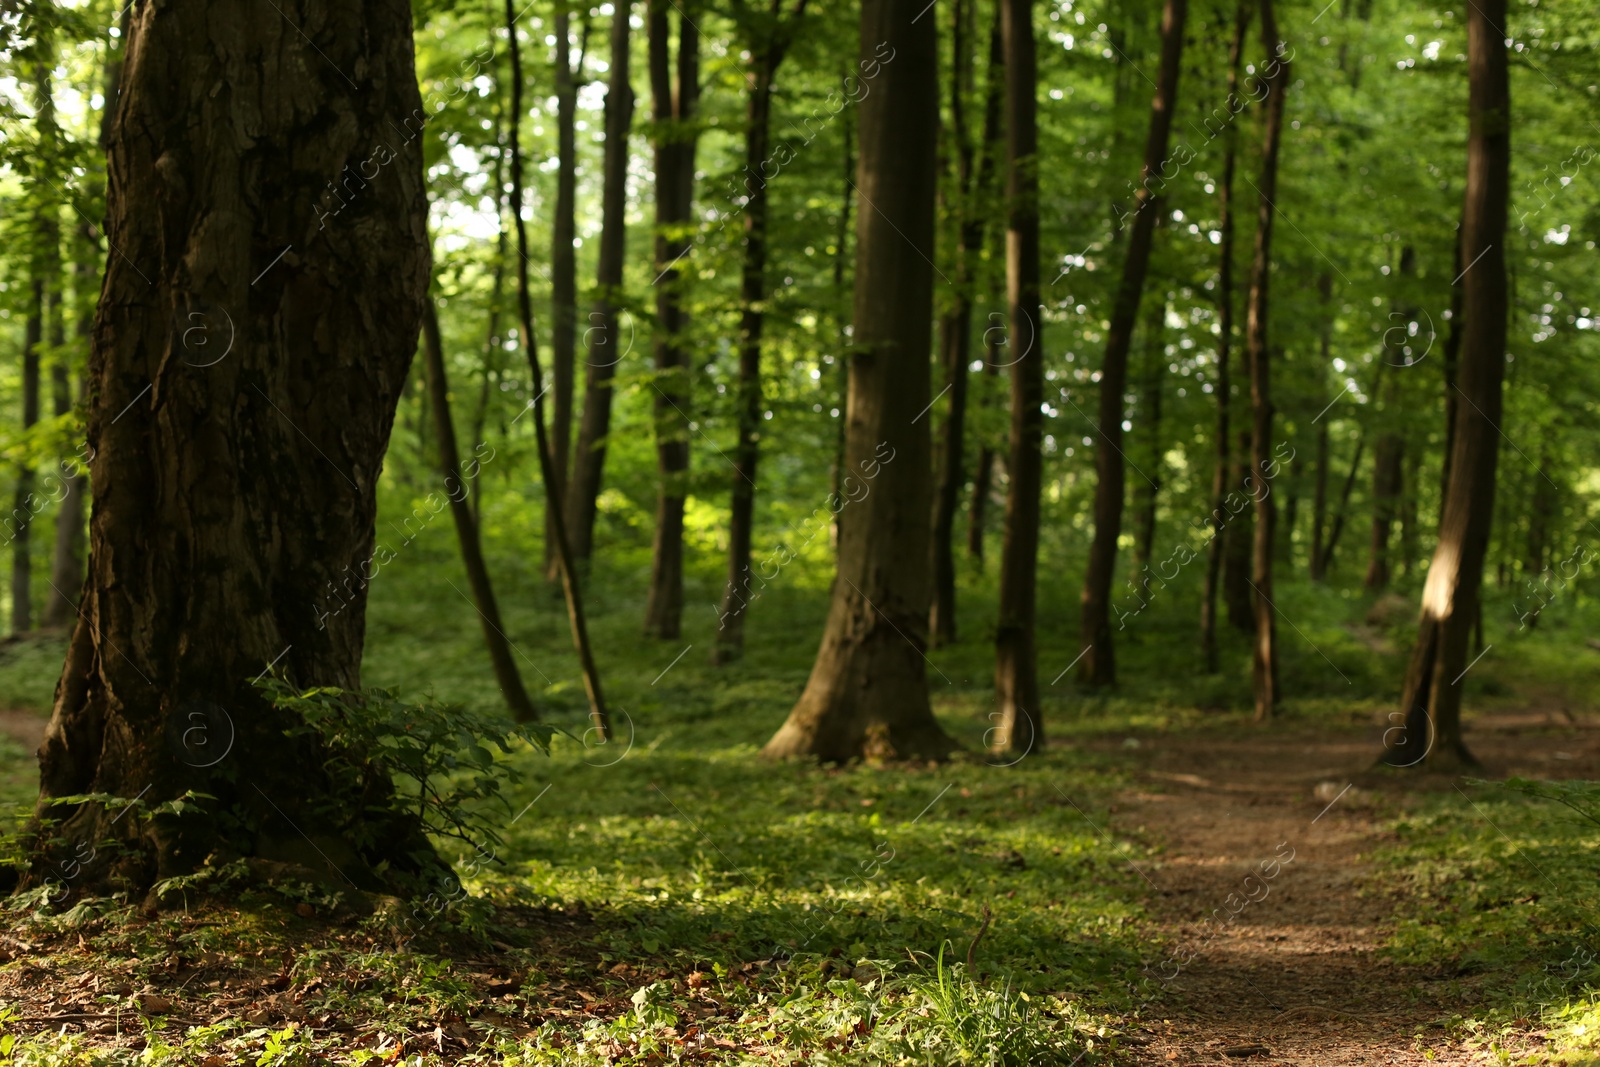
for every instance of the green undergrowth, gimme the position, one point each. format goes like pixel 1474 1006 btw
pixel 1501 890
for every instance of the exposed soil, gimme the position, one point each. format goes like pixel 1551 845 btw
pixel 1298 976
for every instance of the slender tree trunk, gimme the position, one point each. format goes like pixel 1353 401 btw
pixel 847 195
pixel 565 560
pixel 983 475
pixel 1221 527
pixel 214 542
pixel 564 274
pixel 1319 499
pixel 1155 355
pixel 675 138
pixel 606 344
pixel 1098 666
pixel 868 691
pixel 1275 76
pixel 1344 502
pixel 1431 703
pixel 1452 352
pixel 1388 454
pixel 739 590
pixel 564 253
pixel 21 521
pixel 1240 536
pixel 1021 724
pixel 66 564
pixel 458 486
pixel 955 332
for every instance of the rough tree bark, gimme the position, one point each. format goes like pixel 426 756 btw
pixel 1275 76
pixel 218 545
pixel 769 40
pixel 458 486
pixel 1020 727
pixel 675 139
pixel 868 691
pixel 1431 705
pixel 605 343
pixel 1220 477
pixel 1098 666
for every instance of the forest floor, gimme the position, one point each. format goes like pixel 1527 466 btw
pixel 1301 975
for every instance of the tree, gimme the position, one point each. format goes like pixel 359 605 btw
pixel 868 690
pixel 458 485
pixel 1221 475
pixel 563 258
pixel 1389 452
pixel 971 195
pixel 566 562
pixel 769 37
pixel 1319 496
pixel 1020 724
pixel 1155 365
pixel 604 337
pixel 1258 355
pixel 220 546
pixel 675 138
pixel 1431 702
pixel 1099 662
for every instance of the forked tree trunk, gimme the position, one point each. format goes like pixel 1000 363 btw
pixel 675 139
pixel 1020 727
pixel 1275 76
pixel 606 342
pixel 220 546
pixel 1431 704
pixel 458 486
pixel 739 591
pixel 1098 665
pixel 1221 525
pixel 868 691
pixel 563 267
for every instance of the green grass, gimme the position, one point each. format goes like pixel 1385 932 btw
pixel 781 912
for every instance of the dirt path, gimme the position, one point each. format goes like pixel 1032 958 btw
pixel 1262 824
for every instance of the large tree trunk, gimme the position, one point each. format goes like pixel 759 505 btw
pixel 1275 76
pixel 767 54
pixel 1099 664
pixel 1221 474
pixel 675 138
pixel 606 343
pixel 868 691
pixel 1016 682
pixel 955 326
pixel 1452 352
pixel 458 485
pixel 563 266
pixel 1431 704
pixel 219 546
